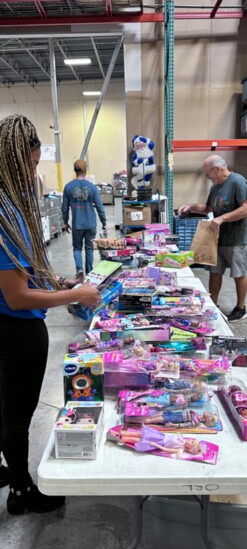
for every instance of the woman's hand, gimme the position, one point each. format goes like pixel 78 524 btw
pixel 87 295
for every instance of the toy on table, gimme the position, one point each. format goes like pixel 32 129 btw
pixel 173 420
pixel 166 445
pixel 83 377
pixel 234 399
pixel 177 260
pixel 108 243
pixel 163 397
pixel 78 430
pixel 234 347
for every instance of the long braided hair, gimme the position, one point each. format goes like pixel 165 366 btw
pixel 19 200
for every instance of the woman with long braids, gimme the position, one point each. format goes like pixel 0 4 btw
pixel 28 286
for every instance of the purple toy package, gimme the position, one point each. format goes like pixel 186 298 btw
pixel 168 445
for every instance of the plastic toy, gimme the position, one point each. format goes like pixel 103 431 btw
pixel 143 165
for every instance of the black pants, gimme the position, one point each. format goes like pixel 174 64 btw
pixel 23 356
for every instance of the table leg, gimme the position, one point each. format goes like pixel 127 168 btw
pixel 137 524
pixel 205 525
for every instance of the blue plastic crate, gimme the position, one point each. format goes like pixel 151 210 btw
pixel 185 228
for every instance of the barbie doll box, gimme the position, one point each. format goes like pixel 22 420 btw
pixel 78 430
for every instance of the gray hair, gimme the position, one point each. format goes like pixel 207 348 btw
pixel 214 161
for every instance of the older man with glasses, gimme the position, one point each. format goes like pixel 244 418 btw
pixel 227 200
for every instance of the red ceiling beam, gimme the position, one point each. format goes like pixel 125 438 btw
pixel 215 8
pixel 40 9
pixel 208 145
pixel 108 7
pixel 128 18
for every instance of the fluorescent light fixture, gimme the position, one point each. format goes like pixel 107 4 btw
pixel 80 61
pixel 91 93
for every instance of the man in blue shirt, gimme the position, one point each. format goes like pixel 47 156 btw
pixel 83 197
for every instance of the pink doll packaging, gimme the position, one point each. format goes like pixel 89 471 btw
pixel 197 396
pixel 173 446
pixel 234 400
pixel 188 420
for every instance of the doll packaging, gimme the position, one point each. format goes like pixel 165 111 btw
pixel 234 400
pixel 78 430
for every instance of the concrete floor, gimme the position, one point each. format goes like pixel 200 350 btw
pixel 90 522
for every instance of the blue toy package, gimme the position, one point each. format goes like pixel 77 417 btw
pixel 108 293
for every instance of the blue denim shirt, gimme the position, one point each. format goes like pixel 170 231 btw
pixel 83 197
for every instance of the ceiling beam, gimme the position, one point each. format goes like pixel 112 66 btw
pixel 64 52
pixel 115 19
pixel 12 64
pixel 98 57
pixel 39 60
pixel 215 8
pixel 40 9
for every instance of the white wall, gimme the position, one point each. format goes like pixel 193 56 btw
pixel 107 148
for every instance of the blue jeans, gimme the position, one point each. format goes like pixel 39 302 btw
pixel 78 236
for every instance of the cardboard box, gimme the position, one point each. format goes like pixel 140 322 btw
pixel 136 215
pixel 78 430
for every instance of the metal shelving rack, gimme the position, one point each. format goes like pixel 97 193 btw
pixel 171 145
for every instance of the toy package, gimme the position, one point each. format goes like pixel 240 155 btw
pixel 234 347
pixel 190 325
pixel 177 260
pixel 196 396
pixel 234 400
pixel 102 272
pixel 189 420
pixel 108 293
pixel 126 252
pixel 170 301
pixel 108 243
pixel 173 446
pixel 136 298
pixel 83 377
pixel 78 430
pixel 132 321
pixel 145 335
pixel 197 344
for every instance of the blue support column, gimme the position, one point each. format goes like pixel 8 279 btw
pixel 168 102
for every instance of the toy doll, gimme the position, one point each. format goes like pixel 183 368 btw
pixel 66 418
pixel 182 419
pixel 149 439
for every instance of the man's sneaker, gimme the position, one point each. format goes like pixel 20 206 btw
pixel 79 274
pixel 4 476
pixel 31 499
pixel 237 314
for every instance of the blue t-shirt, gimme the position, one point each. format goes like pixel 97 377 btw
pixel 6 264
pixel 82 196
pixel 227 197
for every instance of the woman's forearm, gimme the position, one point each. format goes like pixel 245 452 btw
pixel 43 299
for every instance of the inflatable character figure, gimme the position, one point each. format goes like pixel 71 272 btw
pixel 143 165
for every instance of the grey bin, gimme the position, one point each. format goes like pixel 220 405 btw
pixel 176 523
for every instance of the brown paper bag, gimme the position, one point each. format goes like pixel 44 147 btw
pixel 205 244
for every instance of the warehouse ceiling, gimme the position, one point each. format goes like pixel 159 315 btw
pixel 25 27
pixel 27 60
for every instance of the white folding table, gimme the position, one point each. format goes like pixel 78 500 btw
pixel 120 471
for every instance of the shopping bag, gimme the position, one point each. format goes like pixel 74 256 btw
pixel 205 244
